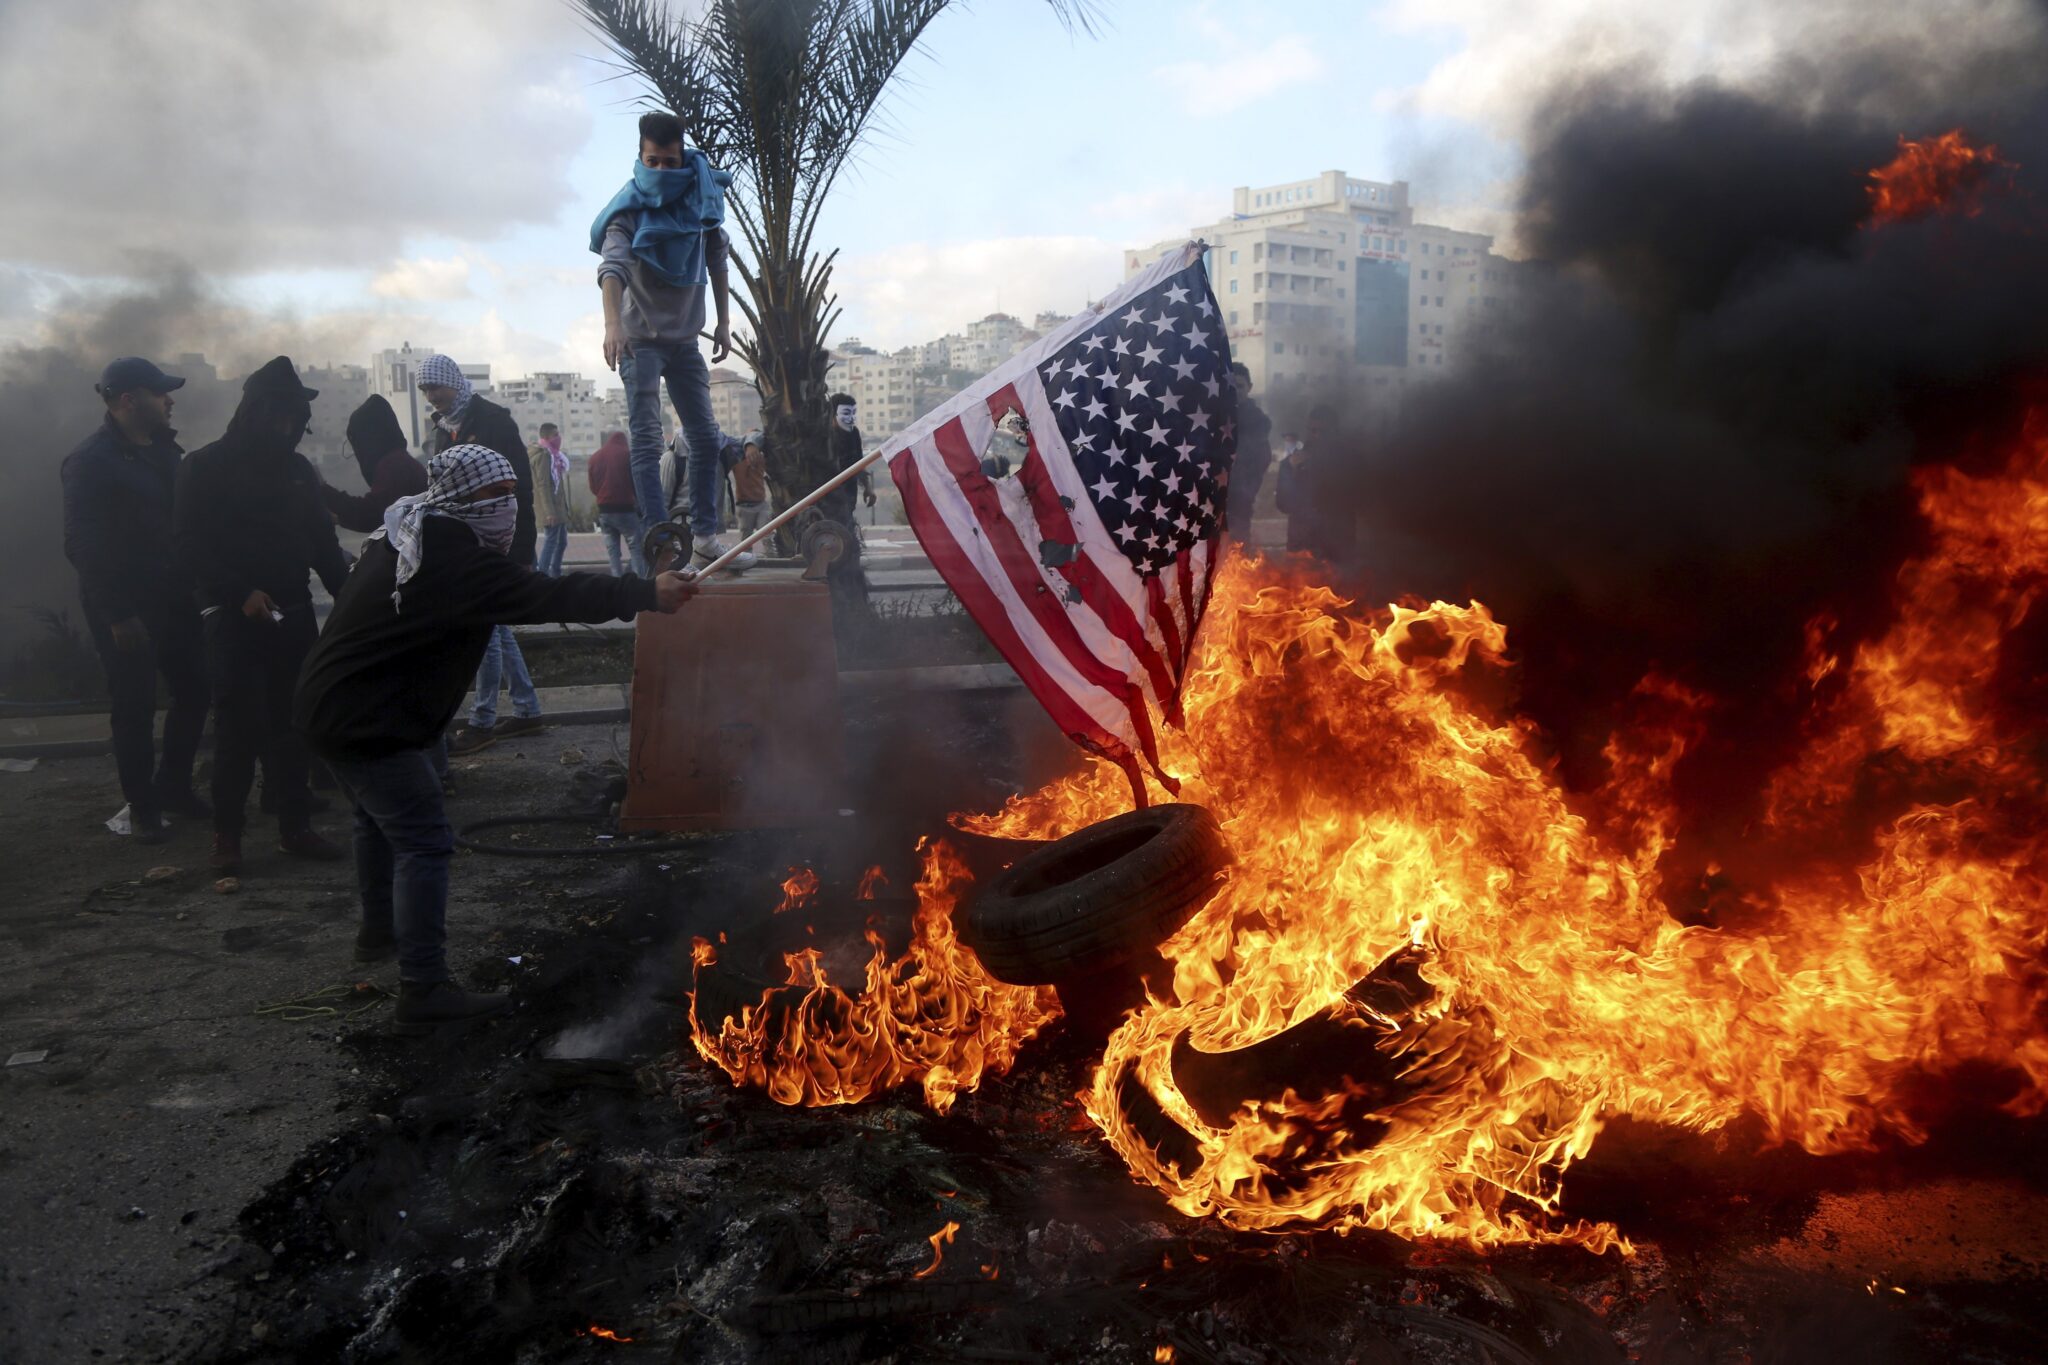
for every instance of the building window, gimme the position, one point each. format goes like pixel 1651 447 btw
pixel 1233 317
pixel 1439 300
pixel 1233 258
pixel 1233 286
pixel 1279 348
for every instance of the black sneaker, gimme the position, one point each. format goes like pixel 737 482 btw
pixel 375 945
pixel 147 827
pixel 425 1005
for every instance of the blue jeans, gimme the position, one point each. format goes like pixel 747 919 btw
pixel 689 388
pixel 554 541
pixel 502 659
pixel 402 845
pixel 617 526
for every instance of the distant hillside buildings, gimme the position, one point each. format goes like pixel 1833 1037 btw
pixel 1327 285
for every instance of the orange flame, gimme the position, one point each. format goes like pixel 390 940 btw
pixel 939 1240
pixel 604 1333
pixel 871 881
pixel 799 889
pixel 1564 993
pixel 933 1016
pixel 1561 990
pixel 1942 173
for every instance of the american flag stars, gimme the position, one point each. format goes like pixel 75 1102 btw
pixel 1143 403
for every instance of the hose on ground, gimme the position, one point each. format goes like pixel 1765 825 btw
pixel 465 838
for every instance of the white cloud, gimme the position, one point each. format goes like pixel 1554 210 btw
pixel 1237 77
pixel 252 135
pixel 1516 56
pixel 916 291
pixel 423 279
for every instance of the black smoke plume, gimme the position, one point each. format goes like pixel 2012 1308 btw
pixel 48 405
pixel 1694 431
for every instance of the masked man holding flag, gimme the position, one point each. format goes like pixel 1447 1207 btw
pixel 660 244
pixel 404 639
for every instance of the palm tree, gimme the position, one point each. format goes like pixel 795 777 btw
pixel 779 92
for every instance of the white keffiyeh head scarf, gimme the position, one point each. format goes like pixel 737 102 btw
pixel 439 369
pixel 451 477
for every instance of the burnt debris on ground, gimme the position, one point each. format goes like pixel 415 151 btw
pixel 574 1182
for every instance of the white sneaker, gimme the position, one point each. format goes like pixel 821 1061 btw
pixel 708 548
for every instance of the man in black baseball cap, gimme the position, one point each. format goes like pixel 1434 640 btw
pixel 117 533
pixel 251 528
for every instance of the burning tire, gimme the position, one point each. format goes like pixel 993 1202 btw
pixel 1361 1064
pixel 1097 899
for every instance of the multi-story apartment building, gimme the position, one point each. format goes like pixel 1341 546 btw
pixel 395 374
pixel 1332 281
pixel 735 402
pixel 568 400
pixel 887 387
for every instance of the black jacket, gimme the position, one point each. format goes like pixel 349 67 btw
pixel 117 523
pixel 248 518
pixel 484 423
pixel 382 679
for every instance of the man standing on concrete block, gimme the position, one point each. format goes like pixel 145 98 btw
pixel 387 676
pixel 462 417
pixel 118 487
pixel 660 245
pixel 250 528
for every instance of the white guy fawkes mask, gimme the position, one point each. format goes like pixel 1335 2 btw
pixel 843 415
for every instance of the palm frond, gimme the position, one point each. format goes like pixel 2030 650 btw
pixel 780 93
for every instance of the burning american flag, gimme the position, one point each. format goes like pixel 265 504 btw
pixel 1089 565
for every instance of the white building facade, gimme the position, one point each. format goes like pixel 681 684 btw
pixel 1331 282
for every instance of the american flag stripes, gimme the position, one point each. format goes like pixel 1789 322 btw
pixel 1088 566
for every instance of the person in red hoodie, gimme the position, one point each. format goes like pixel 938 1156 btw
pixel 618 514
pixel 388 467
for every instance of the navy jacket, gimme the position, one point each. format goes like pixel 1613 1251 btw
pixel 117 523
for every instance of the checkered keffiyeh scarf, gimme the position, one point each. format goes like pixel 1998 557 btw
pixel 439 369
pixel 451 476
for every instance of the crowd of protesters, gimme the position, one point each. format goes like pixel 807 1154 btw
pixel 199 568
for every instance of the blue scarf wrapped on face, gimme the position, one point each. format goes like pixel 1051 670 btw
pixel 673 210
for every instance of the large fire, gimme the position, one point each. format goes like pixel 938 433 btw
pixel 1565 992
pixel 1891 901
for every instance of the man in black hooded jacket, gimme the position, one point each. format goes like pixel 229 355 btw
pixel 387 675
pixel 378 443
pixel 250 529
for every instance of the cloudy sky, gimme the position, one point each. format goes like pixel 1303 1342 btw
pixel 384 170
